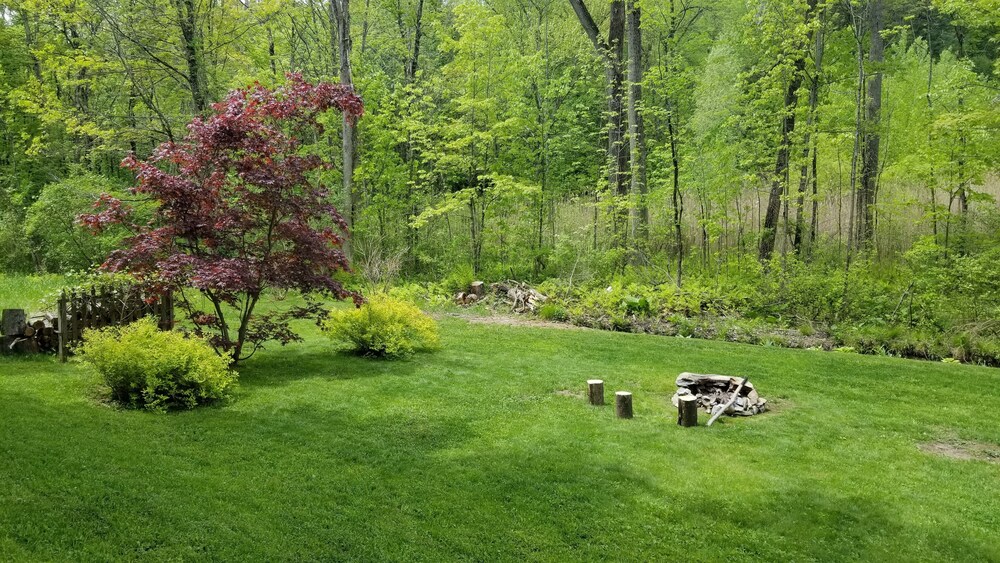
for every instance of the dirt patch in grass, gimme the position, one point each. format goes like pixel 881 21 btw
pixel 963 449
pixel 515 321
pixel 570 393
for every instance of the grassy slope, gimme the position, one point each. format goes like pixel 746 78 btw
pixel 28 292
pixel 472 453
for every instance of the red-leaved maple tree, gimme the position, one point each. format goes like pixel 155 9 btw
pixel 238 211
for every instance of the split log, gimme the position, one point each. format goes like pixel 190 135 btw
pixel 623 404
pixel 687 410
pixel 595 391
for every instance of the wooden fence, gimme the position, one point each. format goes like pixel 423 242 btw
pixel 108 306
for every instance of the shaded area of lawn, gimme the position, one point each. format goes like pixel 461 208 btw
pixel 479 453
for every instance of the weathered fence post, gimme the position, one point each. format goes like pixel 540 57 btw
pixel 595 391
pixel 61 326
pixel 623 404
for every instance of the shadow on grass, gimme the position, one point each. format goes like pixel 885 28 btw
pixel 296 362
pixel 386 482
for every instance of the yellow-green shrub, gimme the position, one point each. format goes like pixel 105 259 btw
pixel 157 370
pixel 383 327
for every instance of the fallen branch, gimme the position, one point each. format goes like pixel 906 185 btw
pixel 718 411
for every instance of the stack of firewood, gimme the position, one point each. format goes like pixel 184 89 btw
pixel 19 333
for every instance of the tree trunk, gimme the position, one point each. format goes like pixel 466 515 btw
pixel 868 191
pixel 611 52
pixel 780 181
pixel 341 10
pixel 413 62
pixel 188 21
pixel 637 142
pixel 809 143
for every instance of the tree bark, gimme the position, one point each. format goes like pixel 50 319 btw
pixel 341 12
pixel 187 20
pixel 809 143
pixel 780 181
pixel 868 190
pixel 611 52
pixel 639 211
pixel 414 60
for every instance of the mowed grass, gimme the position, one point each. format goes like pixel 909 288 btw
pixel 486 450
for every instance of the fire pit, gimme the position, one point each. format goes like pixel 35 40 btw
pixel 720 394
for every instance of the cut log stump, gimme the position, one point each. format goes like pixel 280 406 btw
pixel 595 391
pixel 623 404
pixel 478 289
pixel 12 322
pixel 687 410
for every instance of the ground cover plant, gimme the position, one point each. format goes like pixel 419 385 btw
pixel 487 450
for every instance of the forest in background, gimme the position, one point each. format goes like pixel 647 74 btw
pixel 803 162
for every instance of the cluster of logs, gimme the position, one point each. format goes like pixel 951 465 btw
pixel 522 297
pixel 477 290
pixel 18 333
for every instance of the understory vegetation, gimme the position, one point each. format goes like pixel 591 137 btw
pixel 825 167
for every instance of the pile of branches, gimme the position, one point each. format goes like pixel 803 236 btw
pixel 521 296
pixel 734 396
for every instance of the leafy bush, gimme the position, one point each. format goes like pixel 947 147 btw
pixel 61 243
pixel 553 312
pixel 156 370
pixel 383 327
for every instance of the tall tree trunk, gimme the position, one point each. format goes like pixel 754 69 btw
pixel 637 138
pixel 611 52
pixel 809 143
pixel 780 181
pixel 868 191
pixel 678 199
pixel 963 179
pixel 414 60
pixel 341 10
pixel 187 20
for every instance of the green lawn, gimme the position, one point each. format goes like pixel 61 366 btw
pixel 486 450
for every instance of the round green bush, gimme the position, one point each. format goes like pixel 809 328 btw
pixel 383 327
pixel 156 370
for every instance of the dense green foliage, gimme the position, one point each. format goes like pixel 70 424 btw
pixel 156 370
pixel 383 327
pixel 827 162
pixel 487 450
